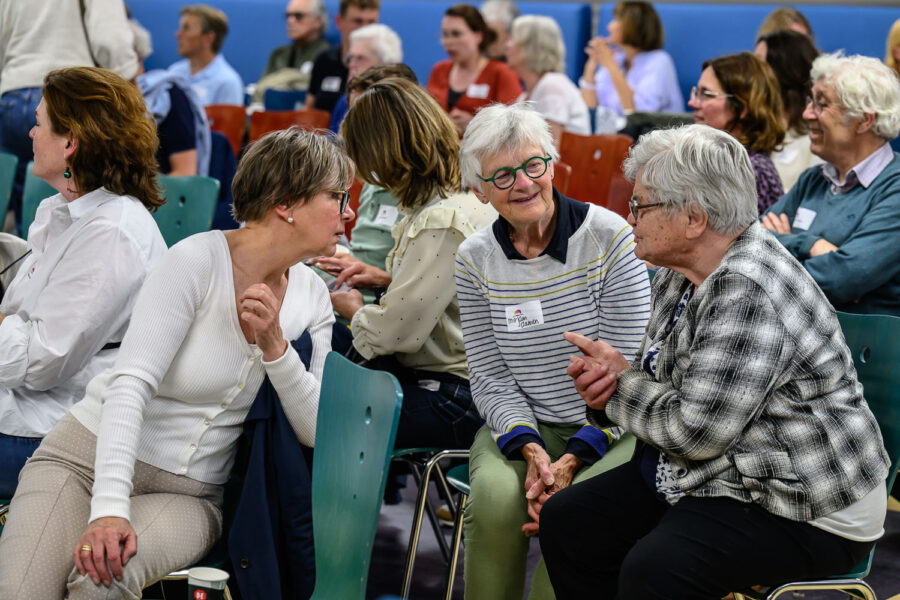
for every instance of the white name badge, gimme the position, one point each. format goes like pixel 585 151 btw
pixel 387 215
pixel 331 84
pixel 803 219
pixel 478 90
pixel 524 315
pixel 306 68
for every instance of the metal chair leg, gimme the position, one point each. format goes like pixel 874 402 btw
pixel 421 499
pixel 457 538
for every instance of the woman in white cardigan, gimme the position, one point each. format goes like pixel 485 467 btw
pixel 128 486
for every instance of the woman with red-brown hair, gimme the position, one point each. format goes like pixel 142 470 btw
pixel 739 94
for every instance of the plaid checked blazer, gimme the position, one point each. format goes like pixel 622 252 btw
pixel 756 397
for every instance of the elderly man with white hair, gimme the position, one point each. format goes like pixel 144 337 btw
pixel 842 219
pixel 305 22
pixel 370 46
pixel 758 460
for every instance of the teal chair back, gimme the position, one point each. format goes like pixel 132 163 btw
pixel 190 206
pixel 35 190
pixel 874 341
pixel 357 423
pixel 8 164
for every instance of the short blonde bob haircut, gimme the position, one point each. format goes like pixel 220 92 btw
pixel 401 140
pixel 288 167
pixel 116 135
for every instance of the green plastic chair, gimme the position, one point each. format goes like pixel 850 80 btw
pixel 874 342
pixel 8 164
pixel 358 414
pixel 190 206
pixel 34 192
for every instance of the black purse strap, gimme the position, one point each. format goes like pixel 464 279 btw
pixel 87 38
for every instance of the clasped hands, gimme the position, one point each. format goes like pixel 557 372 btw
pixel 543 479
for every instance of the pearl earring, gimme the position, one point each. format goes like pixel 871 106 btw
pixel 290 219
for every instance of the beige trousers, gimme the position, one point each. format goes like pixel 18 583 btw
pixel 176 520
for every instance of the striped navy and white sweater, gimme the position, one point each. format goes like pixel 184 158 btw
pixel 514 312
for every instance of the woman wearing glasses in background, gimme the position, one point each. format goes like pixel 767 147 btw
pixel 739 94
pixel 548 265
pixel 131 478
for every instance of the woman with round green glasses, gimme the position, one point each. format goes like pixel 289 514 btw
pixel 547 265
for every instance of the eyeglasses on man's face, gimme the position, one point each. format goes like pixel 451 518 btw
pixel 636 208
pixel 701 95
pixel 819 105
pixel 505 177
pixel 296 14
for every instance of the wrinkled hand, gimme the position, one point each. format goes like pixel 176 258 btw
pixel 598 50
pixel 347 303
pixel 822 246
pixel 538 478
pixel 460 119
pixel 353 272
pixel 596 373
pixel 545 479
pixel 259 309
pixel 111 539
pixel 777 223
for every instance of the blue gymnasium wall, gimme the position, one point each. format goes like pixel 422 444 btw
pixel 699 32
pixel 257 26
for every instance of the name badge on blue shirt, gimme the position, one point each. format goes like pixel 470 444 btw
pixel 803 219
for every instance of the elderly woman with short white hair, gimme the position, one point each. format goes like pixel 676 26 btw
pixel 546 266
pixel 535 51
pixel 370 46
pixel 758 460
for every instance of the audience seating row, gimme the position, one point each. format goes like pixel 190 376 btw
pixel 694 32
pixel 257 27
pixel 697 32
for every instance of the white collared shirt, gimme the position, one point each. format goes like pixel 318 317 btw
pixel 72 295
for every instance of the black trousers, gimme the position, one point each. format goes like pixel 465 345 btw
pixel 611 537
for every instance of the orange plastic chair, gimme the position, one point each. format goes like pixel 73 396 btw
pixel 263 122
pixel 620 191
pixel 594 160
pixel 562 174
pixel 355 191
pixel 230 120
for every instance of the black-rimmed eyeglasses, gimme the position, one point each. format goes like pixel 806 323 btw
pixel 344 201
pixel 636 208
pixel 505 177
pixel 296 14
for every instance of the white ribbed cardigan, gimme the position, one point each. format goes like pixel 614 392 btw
pixel 185 377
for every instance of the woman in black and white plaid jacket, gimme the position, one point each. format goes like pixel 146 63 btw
pixel 760 461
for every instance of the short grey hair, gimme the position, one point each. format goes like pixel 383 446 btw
pixel 697 167
pixel 500 11
pixel 288 167
pixel 384 41
pixel 540 40
pixel 864 85
pixel 502 128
